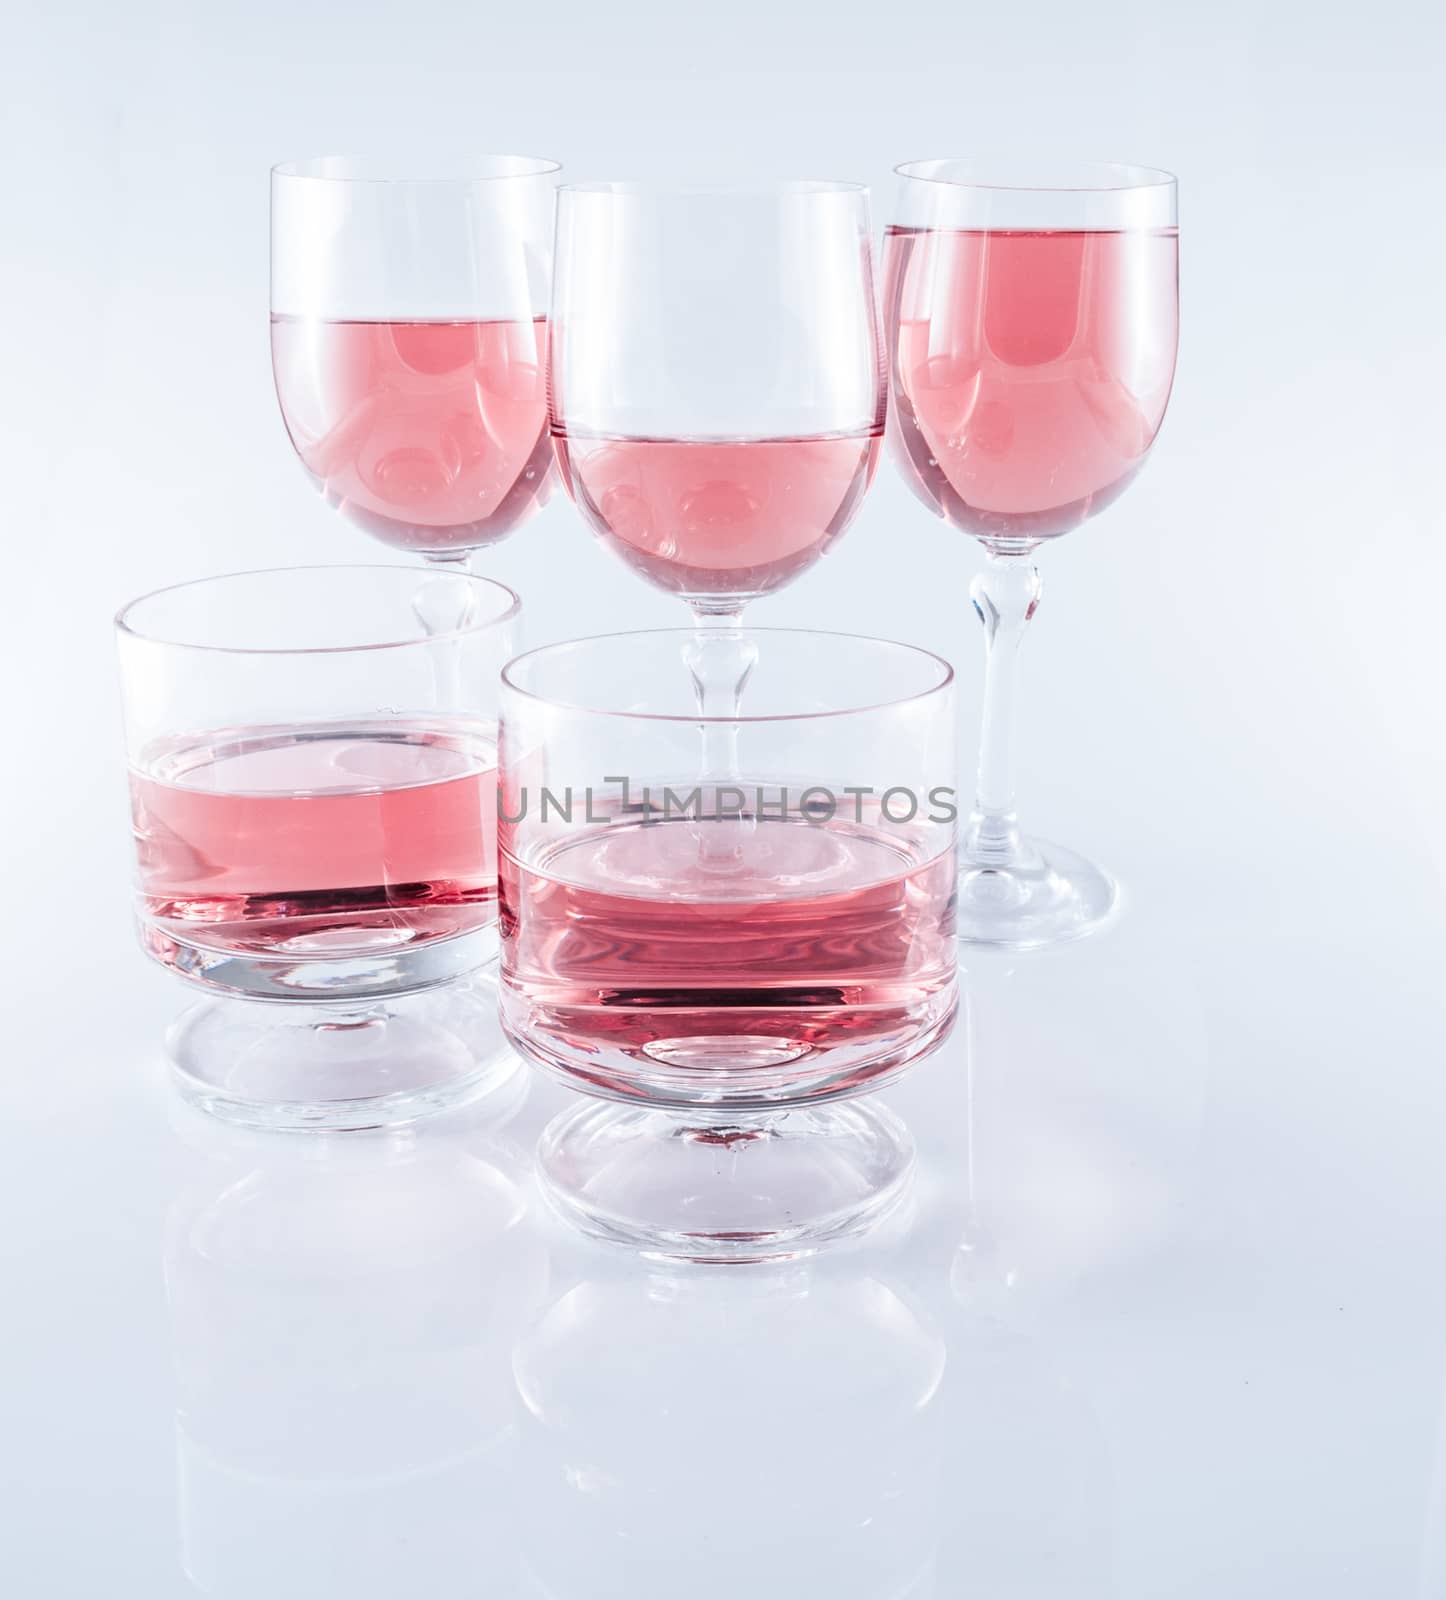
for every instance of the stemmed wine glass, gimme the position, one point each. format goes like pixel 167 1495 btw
pixel 1031 317
pixel 408 339
pixel 717 393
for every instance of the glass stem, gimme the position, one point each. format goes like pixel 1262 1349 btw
pixel 720 657
pixel 1006 596
pixel 441 603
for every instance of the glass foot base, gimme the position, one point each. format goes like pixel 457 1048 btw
pixel 1051 896
pixel 690 1186
pixel 341 1066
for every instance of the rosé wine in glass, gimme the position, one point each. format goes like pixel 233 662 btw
pixel 430 436
pixel 318 841
pixel 717 394
pixel 786 940
pixel 408 339
pixel 1031 321
pixel 727 964
pixel 1030 368
pixel 718 517
pixel 313 784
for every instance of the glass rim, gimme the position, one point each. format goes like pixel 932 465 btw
pixel 695 719
pixel 296 170
pixel 125 626
pixel 663 189
pixel 1093 177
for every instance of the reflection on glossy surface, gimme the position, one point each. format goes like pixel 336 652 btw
pixel 1081 1076
pixel 1164 1371
pixel 768 1430
pixel 342 1310
pixel 1084 1079
pixel 1033 1502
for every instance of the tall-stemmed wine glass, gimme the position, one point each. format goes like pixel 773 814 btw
pixel 717 393
pixel 408 338
pixel 1031 318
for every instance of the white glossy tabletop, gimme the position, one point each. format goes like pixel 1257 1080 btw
pixel 1167 1316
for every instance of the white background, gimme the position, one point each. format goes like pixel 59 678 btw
pixel 1197 1342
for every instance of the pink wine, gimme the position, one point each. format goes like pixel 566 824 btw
pixel 319 840
pixel 432 436
pixel 1030 370
pixel 629 943
pixel 718 517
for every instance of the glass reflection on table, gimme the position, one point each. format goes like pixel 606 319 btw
pixel 766 1429
pixel 342 1308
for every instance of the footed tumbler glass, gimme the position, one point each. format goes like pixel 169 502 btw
pixel 313 780
pixel 717 964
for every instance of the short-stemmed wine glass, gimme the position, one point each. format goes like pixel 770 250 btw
pixel 408 342
pixel 1031 318
pixel 717 392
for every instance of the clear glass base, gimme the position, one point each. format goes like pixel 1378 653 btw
pixel 687 1185
pixel 359 968
pixel 1047 895
pixel 341 1066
